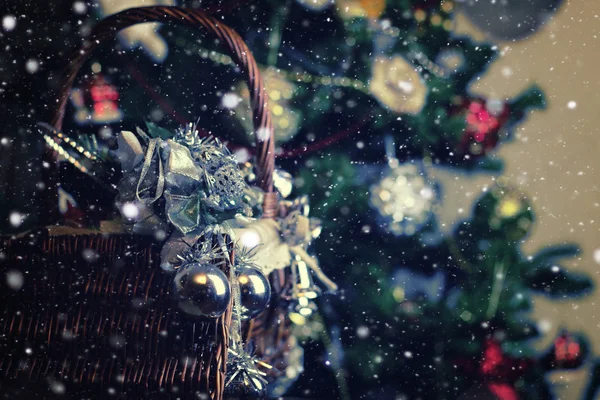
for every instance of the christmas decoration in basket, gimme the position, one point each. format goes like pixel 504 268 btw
pixel 192 292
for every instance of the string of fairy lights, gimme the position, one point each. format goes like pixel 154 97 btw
pixel 441 19
pixel 54 143
pixel 64 153
pixel 307 78
pixel 301 77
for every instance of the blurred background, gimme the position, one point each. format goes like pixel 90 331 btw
pixel 554 154
pixel 549 155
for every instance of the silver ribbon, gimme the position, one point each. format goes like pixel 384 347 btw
pixel 183 189
pixel 160 185
pixel 175 177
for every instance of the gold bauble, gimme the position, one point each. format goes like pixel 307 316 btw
pixel 397 85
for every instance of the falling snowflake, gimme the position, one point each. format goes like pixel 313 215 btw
pixel 130 210
pixel 79 7
pixel 230 100
pixel 263 134
pixel 9 22
pixel 15 279
pixel 362 332
pixel 32 66
pixel 16 219
pixel 597 256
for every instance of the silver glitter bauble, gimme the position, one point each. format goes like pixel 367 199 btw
pixel 404 199
pixel 203 290
pixel 255 290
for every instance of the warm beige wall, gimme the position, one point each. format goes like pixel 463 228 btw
pixel 555 155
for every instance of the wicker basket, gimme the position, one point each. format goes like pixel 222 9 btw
pixel 95 314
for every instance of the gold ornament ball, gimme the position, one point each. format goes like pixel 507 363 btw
pixel 397 85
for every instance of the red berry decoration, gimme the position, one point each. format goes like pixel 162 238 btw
pixel 484 121
pixel 568 352
pixel 497 366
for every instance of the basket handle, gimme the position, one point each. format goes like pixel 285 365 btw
pixel 241 55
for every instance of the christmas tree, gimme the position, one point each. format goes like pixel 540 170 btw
pixel 367 97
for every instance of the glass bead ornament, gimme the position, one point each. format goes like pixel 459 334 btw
pixel 203 290
pixel 404 198
pixel 255 290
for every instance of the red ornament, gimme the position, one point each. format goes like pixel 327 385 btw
pixel 97 102
pixel 104 96
pixel 484 121
pixel 495 365
pixel 567 352
pixel 496 371
pixel 493 358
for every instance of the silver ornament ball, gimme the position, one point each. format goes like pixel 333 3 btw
pixel 255 290
pixel 203 290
